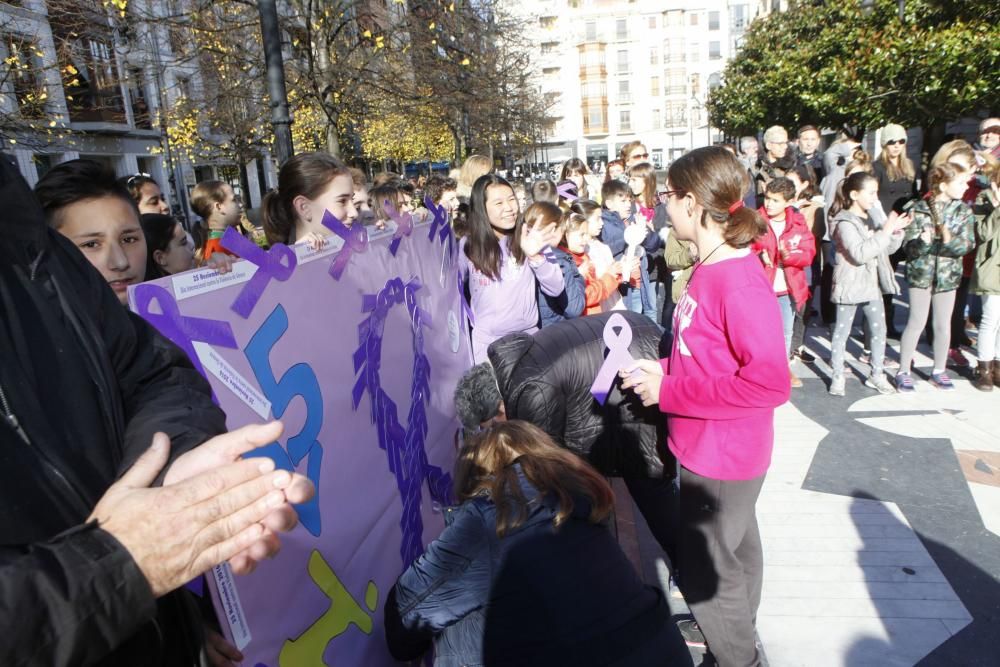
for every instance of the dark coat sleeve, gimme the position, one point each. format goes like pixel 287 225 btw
pixel 613 233
pixel 449 581
pixel 71 600
pixel 159 389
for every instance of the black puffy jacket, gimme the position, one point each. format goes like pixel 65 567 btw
pixel 84 385
pixel 545 379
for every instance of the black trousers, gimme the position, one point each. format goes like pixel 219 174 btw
pixel 721 563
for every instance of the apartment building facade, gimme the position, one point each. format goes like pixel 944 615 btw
pixel 103 86
pixel 623 70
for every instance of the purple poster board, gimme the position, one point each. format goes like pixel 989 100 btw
pixel 361 368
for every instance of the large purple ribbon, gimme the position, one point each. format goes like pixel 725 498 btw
pixel 404 225
pixel 618 356
pixel 182 331
pixel 355 241
pixel 278 263
pixel 440 224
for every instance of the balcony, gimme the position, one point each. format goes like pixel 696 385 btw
pixel 595 130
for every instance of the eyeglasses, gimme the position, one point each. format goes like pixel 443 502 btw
pixel 676 193
pixel 639 155
pixel 992 129
pixel 901 142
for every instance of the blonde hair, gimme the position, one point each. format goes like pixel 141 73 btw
pixel 542 213
pixel 904 170
pixel 952 149
pixel 473 167
pixel 485 467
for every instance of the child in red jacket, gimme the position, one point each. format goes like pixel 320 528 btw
pixel 599 288
pixel 786 249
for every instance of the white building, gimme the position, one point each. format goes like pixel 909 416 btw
pixel 106 86
pixel 625 70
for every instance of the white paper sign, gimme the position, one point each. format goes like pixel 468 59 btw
pixel 236 383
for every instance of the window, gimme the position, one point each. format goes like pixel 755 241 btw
pixel 676 82
pixel 624 91
pixel 623 62
pixel 674 18
pixel 593 89
pixel 673 51
pixel 694 52
pixel 621 29
pixel 714 80
pixel 714 50
pixel 595 120
pixel 654 86
pixel 625 121
pixel 713 20
pixel 657 119
pixel 184 87
pixel 740 16
pixel 652 23
pixel 696 84
pixel 137 98
pixel 591 31
pixel 693 19
pixel 547 22
pixel 654 56
pixel 550 47
pixel 676 114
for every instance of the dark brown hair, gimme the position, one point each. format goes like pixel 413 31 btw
pixel 647 173
pixel 614 188
pixel 437 185
pixel 718 181
pixel 585 207
pixel 852 183
pixel 607 169
pixel 576 166
pixel 781 186
pixel 544 190
pixel 305 174
pixel 377 197
pixel 78 180
pixel 485 466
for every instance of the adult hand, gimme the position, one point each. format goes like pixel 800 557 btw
pixel 227 449
pixel 174 533
pixel 221 262
pixel 218 650
pixel 534 240
pixel 644 378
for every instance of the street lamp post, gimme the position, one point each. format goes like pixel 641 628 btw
pixel 280 118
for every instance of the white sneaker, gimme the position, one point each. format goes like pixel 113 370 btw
pixel 880 384
pixel 837 385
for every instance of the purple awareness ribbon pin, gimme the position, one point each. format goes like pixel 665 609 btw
pixel 404 225
pixel 180 330
pixel 355 241
pixel 618 356
pixel 565 191
pixel 278 263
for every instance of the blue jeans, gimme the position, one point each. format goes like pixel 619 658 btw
pixel 787 320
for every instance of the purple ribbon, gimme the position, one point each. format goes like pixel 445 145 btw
pixel 404 225
pixel 617 359
pixel 465 304
pixel 567 191
pixel 440 224
pixel 182 331
pixel 355 241
pixel 278 263
pixel 404 447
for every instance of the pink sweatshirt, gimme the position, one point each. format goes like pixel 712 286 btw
pixel 727 372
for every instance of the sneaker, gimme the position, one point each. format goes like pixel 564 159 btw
pixel 691 633
pixel 942 381
pixel 804 356
pixel 865 357
pixel 794 379
pixel 880 384
pixel 904 383
pixel 837 385
pixel 957 359
pixel 890 363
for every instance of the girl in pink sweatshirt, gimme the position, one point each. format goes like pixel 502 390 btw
pixel 726 374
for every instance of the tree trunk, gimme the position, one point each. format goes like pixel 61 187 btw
pixel 332 140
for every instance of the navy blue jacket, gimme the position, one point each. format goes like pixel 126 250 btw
pixel 537 596
pixel 613 235
pixel 571 302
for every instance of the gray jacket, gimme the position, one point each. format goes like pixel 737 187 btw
pixel 862 272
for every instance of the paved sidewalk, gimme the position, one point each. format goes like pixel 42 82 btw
pixel 880 519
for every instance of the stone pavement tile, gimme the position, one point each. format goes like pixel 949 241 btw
pixel 849 574
pixel 851 642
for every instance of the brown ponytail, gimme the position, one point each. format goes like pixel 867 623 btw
pixel 305 174
pixel 718 182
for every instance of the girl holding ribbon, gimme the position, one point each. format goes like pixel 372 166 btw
pixel 726 374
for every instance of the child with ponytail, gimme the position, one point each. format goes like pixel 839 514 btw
pixel 862 273
pixel 726 374
pixel 309 185
pixel 934 246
